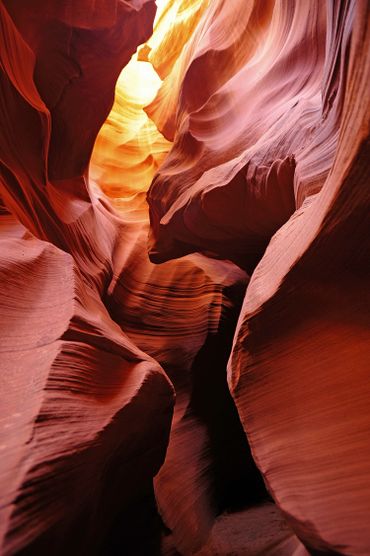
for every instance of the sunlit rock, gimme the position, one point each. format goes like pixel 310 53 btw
pixel 204 391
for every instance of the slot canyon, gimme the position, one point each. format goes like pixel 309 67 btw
pixel 184 262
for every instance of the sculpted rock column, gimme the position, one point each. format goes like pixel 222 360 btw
pixel 299 367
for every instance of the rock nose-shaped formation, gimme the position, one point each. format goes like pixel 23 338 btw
pixel 204 392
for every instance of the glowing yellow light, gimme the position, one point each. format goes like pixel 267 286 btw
pixel 129 148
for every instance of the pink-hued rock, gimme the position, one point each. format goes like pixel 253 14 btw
pixel 71 379
pixel 249 152
pixel 281 145
pixel 299 366
pixel 88 410
pixel 183 314
pixel 114 381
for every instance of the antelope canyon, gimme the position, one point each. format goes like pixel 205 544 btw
pixel 184 261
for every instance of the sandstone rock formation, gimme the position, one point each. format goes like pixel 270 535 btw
pixel 206 393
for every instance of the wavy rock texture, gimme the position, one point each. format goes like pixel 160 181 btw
pixel 71 379
pixel 285 134
pixel 309 375
pixel 246 125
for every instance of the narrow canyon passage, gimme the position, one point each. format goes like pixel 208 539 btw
pixel 184 300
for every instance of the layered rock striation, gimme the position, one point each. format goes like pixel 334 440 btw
pixel 206 393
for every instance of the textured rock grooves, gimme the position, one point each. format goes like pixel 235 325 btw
pixel 211 398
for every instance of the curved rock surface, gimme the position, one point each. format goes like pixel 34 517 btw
pixel 123 429
pixel 301 355
pixel 71 379
pixel 259 141
pixel 286 135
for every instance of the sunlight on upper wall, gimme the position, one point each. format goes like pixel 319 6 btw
pixel 129 148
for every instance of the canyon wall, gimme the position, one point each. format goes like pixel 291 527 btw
pixel 151 388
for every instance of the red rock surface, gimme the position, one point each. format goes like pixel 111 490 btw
pixel 71 379
pixel 122 428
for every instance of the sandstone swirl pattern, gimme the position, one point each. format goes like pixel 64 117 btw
pixel 146 401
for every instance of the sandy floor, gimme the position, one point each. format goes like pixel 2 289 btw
pixel 256 531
